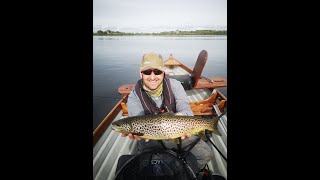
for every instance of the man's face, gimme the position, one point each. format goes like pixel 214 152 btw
pixel 152 81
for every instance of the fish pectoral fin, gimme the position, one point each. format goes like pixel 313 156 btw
pixel 215 127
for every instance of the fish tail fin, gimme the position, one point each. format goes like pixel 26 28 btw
pixel 215 127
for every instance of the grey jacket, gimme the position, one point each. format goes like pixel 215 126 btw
pixel 182 101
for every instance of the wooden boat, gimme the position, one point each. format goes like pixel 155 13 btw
pixel 206 100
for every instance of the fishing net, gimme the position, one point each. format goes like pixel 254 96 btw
pixel 159 164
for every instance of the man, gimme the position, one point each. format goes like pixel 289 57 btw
pixel 155 94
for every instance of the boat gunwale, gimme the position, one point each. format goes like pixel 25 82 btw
pixel 101 128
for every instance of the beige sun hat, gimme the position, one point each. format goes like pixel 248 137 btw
pixel 152 60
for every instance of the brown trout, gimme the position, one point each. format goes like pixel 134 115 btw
pixel 161 127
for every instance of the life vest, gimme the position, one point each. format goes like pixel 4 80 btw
pixel 149 106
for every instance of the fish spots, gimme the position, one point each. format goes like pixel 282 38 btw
pixel 164 127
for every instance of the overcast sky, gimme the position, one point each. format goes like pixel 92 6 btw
pixel 159 15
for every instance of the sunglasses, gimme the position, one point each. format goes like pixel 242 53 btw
pixel 155 71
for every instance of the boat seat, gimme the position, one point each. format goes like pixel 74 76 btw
pixel 202 84
pixel 185 81
pixel 199 108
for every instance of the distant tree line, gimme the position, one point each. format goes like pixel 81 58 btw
pixel 177 32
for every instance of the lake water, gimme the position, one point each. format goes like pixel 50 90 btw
pixel 116 62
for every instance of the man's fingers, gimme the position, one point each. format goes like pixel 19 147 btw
pixel 130 136
pixel 133 137
pixel 186 136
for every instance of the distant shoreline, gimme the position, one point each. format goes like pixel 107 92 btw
pixel 205 35
pixel 167 33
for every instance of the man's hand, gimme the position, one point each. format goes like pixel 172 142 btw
pixel 187 135
pixel 133 137
pixel 178 114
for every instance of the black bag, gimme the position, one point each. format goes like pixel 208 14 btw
pixel 160 164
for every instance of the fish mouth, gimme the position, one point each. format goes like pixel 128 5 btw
pixel 116 128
